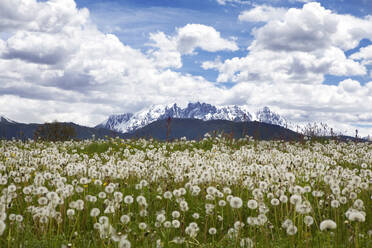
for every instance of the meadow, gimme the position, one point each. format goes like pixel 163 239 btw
pixel 215 192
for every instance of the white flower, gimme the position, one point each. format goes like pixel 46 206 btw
pixel 358 216
pixel 142 225
pixel 70 212
pixel 94 212
pixel 275 202
pixel 2 227
pixel 128 199
pixel 195 216
pixel 212 231
pixel 160 218
pixel 327 225
pixel 291 230
pixel 124 219
pixel 308 220
pixel 124 243
pixel 252 204
pixel 176 223
pixel 176 214
pixel 236 202
pixel 167 195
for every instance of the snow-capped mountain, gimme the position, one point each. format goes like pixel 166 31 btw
pixel 130 122
pixel 267 116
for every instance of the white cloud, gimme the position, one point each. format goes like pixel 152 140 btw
pixel 56 58
pixel 302 47
pixel 167 50
pixel 365 54
pixel 194 36
pixel 224 2
pixel 350 85
pixel 262 13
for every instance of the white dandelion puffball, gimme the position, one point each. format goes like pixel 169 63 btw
pixel 236 202
pixel 327 225
pixel 252 204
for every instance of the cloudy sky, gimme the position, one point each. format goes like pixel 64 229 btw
pixel 82 60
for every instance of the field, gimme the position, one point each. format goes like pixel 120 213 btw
pixel 212 193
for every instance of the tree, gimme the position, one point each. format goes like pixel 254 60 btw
pixel 55 131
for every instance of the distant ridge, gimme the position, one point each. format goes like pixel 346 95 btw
pixel 194 129
pixel 130 122
pixel 191 129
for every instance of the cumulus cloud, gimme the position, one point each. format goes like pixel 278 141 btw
pixel 57 58
pixel 301 47
pixel 364 54
pixel 262 13
pixel 167 50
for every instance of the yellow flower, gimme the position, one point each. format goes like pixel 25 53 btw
pixel 105 183
pixel 85 185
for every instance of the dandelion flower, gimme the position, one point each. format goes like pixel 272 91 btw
pixel 212 231
pixel 327 225
pixel 308 220
pixel 291 230
pixel 252 204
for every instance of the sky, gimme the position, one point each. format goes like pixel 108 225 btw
pixel 83 60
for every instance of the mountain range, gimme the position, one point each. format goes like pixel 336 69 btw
pixel 130 122
pixel 192 122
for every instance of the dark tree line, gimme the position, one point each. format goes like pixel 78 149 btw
pixel 55 131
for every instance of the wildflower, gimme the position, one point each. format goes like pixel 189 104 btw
pixel 2 227
pixel 308 220
pixel 70 212
pixel 142 225
pixel 291 230
pixel 128 199
pixel 124 219
pixel 287 223
pixel 19 218
pixel 94 212
pixel 160 218
pixel 176 214
pixel 358 216
pixel 176 223
pixel 327 225
pixel 212 231
pixel 124 243
pixel 236 202
pixel 167 195
pixel 246 242
pixel 335 204
pixel 283 198
pixel 275 202
pixel 167 224
pixel 252 204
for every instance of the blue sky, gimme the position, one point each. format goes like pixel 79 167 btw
pixel 133 20
pixel 83 60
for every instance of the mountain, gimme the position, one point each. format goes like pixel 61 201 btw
pixel 3 119
pixel 196 129
pixel 130 122
pixel 10 129
pixel 191 128
pixel 267 116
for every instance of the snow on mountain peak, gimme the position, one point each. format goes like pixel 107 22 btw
pixel 130 122
pixel 5 119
